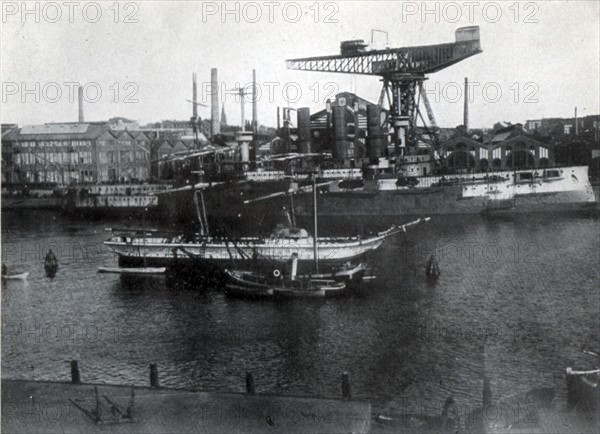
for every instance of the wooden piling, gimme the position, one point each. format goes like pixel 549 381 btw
pixel 572 392
pixel 487 393
pixel 346 391
pixel 153 375
pixel 98 407
pixel 75 377
pixel 250 383
pixel 129 412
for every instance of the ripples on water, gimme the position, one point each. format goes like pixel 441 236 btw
pixel 516 300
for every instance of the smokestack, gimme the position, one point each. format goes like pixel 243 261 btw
pixel 254 103
pixel 375 137
pixel 304 145
pixel 339 150
pixel 80 99
pixel 466 112
pixel 576 127
pixel 215 125
pixel 194 96
pixel 278 119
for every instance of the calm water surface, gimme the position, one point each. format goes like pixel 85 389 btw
pixel 516 300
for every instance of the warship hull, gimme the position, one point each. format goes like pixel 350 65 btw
pixel 514 192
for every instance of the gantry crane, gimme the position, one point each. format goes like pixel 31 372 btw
pixel 402 70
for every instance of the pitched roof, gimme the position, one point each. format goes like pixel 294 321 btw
pixel 58 131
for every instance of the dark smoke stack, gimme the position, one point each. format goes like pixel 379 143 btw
pixel 576 127
pixel 80 99
pixel 254 103
pixel 215 124
pixel 278 119
pixel 328 120
pixel 466 112
pixel 374 132
pixel 194 96
pixel 339 149
pixel 304 144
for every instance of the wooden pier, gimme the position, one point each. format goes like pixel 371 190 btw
pixel 75 407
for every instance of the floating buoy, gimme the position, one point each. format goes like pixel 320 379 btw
pixel 50 264
pixel 432 269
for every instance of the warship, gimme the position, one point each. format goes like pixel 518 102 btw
pixel 375 160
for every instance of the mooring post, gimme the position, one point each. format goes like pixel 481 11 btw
pixel 98 408
pixel 131 406
pixel 75 377
pixel 153 375
pixel 487 393
pixel 346 391
pixel 250 383
pixel 572 395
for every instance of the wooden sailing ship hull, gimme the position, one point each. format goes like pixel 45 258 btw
pixel 262 254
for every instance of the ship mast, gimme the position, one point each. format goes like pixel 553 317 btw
pixel 315 235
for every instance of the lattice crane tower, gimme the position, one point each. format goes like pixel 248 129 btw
pixel 402 70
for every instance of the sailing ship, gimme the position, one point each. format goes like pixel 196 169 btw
pixel 154 249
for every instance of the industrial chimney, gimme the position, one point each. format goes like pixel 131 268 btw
pixel 80 100
pixel 194 97
pixel 254 103
pixel 304 144
pixel 576 126
pixel 466 112
pixel 215 125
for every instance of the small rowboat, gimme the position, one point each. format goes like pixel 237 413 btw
pixel 583 389
pixel 142 270
pixel 252 285
pixel 21 276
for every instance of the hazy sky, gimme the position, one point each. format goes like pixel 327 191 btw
pixel 546 53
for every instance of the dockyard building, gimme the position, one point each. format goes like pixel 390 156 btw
pixel 74 152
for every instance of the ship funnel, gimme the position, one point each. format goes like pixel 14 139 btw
pixel 339 149
pixel 304 139
pixel 375 137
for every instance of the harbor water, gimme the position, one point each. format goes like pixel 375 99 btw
pixel 516 300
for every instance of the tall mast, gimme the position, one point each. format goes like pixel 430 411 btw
pixel 315 246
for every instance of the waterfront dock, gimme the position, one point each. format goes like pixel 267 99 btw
pixel 36 407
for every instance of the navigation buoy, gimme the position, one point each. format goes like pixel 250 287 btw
pixel 432 269
pixel 50 264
